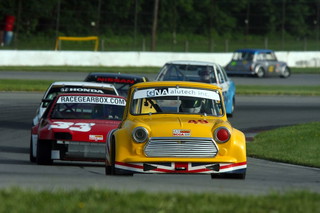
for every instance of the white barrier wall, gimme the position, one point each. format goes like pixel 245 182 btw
pixel 157 59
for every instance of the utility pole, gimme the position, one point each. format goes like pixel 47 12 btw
pixel 154 25
pixel 283 21
pixel 18 22
pixel 98 18
pixel 135 22
pixel 317 24
pixel 58 19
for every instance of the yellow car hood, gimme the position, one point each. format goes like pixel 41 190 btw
pixel 179 126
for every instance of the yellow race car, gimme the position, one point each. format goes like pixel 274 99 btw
pixel 176 127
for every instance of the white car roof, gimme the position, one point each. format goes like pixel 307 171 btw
pixel 203 63
pixel 105 86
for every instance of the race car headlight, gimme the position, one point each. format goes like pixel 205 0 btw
pixel 140 134
pixel 222 134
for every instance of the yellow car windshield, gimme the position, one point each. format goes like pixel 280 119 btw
pixel 172 100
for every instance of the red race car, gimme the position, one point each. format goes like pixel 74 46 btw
pixel 74 127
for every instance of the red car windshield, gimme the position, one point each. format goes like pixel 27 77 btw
pixel 87 111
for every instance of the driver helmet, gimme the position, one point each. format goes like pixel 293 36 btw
pixel 191 105
pixel 205 75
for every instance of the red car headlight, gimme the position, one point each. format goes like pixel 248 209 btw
pixel 222 134
pixel 140 134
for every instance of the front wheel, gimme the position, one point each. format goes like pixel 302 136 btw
pixel 260 73
pixel 230 115
pixel 241 176
pixel 44 152
pixel 286 73
pixel 109 169
pixel 31 157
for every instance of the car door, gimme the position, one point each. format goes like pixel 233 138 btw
pixel 261 61
pixel 222 80
pixel 272 63
pixel 228 90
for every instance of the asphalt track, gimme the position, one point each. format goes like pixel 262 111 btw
pixel 253 114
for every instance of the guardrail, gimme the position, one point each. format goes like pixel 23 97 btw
pixel 157 59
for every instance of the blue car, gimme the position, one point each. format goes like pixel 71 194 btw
pixel 257 62
pixel 198 71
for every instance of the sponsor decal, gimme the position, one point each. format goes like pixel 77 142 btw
pixel 116 80
pixel 271 68
pixel 181 132
pixel 96 137
pixel 80 127
pixel 92 100
pixel 160 92
pixel 80 90
pixel 198 121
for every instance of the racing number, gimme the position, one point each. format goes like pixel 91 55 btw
pixel 271 68
pixel 60 125
pixel 80 127
pixel 198 121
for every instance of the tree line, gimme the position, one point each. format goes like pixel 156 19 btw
pixel 224 18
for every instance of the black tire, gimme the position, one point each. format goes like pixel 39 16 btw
pixel 109 170
pixel 230 115
pixel 241 176
pixel 260 72
pixel 32 159
pixel 286 73
pixel 44 152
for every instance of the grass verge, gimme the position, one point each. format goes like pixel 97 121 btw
pixel 278 90
pixel 305 70
pixel 108 201
pixel 298 144
pixel 42 85
pixel 295 70
pixel 9 85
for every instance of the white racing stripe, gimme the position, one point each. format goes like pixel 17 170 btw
pixel 161 92
pixel 92 100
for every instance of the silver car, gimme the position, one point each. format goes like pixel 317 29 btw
pixel 257 62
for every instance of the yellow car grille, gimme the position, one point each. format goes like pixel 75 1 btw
pixel 186 147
